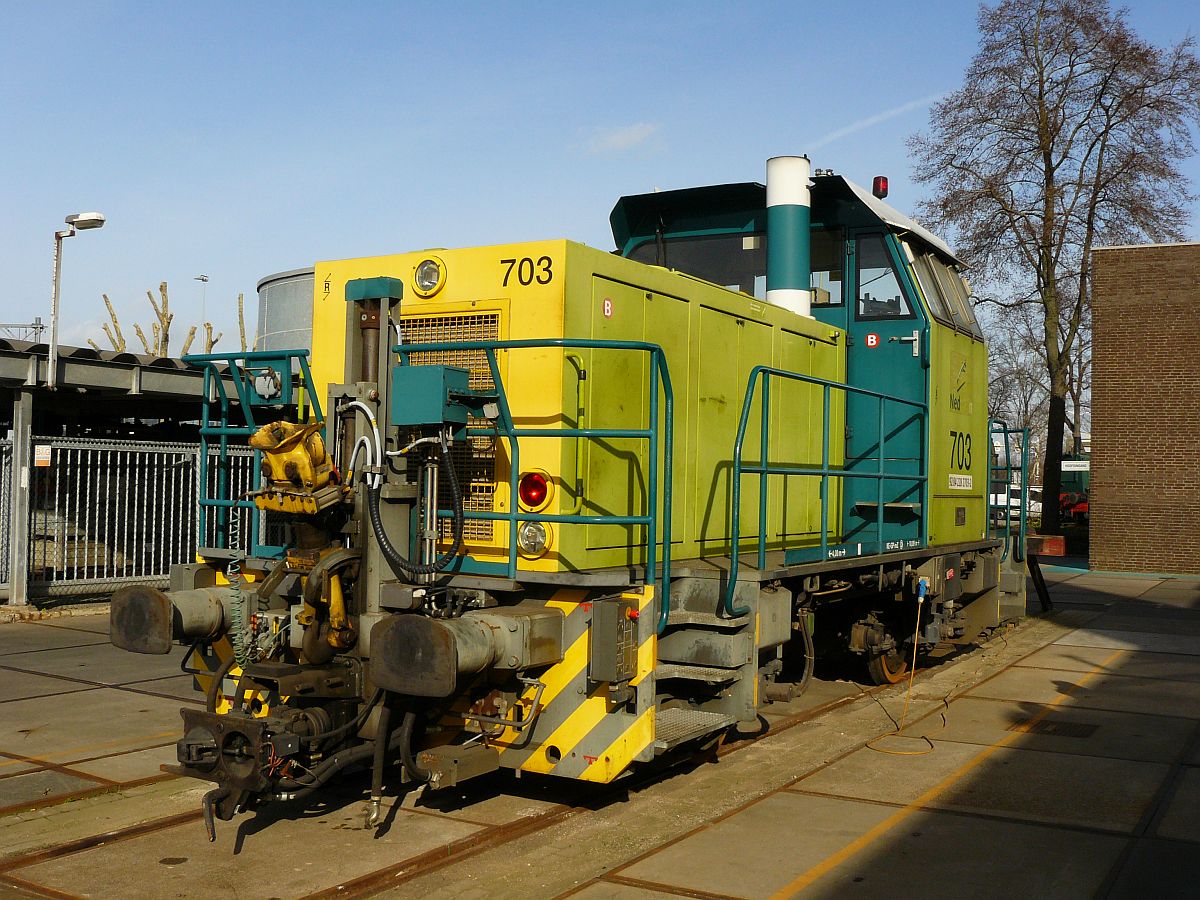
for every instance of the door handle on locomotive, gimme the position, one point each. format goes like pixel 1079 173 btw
pixel 914 339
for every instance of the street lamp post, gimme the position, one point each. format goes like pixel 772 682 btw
pixel 203 279
pixel 76 221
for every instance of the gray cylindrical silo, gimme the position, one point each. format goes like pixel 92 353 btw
pixel 285 305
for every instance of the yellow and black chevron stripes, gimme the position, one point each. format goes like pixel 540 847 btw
pixel 580 733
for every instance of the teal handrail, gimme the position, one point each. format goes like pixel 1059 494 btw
pixel 240 372
pixel 825 471
pixel 999 428
pixel 659 373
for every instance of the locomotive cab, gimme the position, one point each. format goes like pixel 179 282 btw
pixel 896 290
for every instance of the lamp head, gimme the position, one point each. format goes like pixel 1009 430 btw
pixel 85 220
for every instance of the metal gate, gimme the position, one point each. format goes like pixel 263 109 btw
pixel 104 513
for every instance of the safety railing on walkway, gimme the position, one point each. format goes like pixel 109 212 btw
pixel 1000 520
pixel 657 488
pixel 760 379
pixel 260 379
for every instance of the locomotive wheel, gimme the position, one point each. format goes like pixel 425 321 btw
pixel 887 667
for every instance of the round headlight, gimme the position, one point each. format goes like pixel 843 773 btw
pixel 429 276
pixel 531 538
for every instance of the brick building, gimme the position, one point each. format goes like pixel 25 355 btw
pixel 1145 489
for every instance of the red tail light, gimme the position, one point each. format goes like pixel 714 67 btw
pixel 533 489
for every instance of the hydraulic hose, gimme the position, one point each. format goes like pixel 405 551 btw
pixel 391 554
pixel 343 758
pixel 383 731
pixel 326 770
pixel 415 772
pixel 320 774
pixel 214 688
pixel 810 656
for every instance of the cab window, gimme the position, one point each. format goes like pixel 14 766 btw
pixel 945 291
pixel 879 292
pixel 734 261
pixel 828 258
pixel 955 293
pixel 929 287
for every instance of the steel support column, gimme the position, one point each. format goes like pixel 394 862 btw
pixel 18 533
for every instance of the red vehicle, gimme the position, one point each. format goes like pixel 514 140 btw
pixel 1073 505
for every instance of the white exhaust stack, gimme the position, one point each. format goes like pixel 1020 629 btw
pixel 789 265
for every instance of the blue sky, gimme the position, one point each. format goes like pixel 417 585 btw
pixel 237 140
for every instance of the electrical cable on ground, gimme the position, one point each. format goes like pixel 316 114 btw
pixel 922 586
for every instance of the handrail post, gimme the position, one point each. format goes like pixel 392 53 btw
pixel 664 599
pixel 1019 550
pixel 923 492
pixel 879 481
pixel 764 455
pixel 736 497
pixel 652 477
pixel 825 414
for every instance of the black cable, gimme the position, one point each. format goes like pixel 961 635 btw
pixel 415 772
pixel 327 769
pixel 809 654
pixel 392 555
pixel 383 731
pixel 210 699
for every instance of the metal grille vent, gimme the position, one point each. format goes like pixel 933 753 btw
pixel 474 461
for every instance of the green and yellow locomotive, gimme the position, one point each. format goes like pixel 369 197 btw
pixel 551 509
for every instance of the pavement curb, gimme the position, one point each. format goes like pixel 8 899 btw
pixel 31 613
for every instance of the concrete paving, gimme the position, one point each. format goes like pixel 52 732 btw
pixel 78 715
pixel 1060 760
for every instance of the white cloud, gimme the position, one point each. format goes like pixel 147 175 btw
pixel 869 121
pixel 619 140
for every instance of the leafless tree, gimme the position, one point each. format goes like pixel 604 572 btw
pixel 114 335
pixel 158 344
pixel 1079 383
pixel 1067 132
pixel 242 319
pixel 1018 393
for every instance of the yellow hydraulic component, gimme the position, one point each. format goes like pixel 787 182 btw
pixel 328 604
pixel 299 471
pixel 341 633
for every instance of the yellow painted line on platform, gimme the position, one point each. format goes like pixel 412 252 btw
pixel 865 840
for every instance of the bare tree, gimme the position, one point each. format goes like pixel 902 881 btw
pixel 242 319
pixel 1079 383
pixel 158 343
pixel 187 341
pixel 1068 131
pixel 1018 392
pixel 209 340
pixel 114 334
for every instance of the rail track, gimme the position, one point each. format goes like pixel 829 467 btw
pixel 579 800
